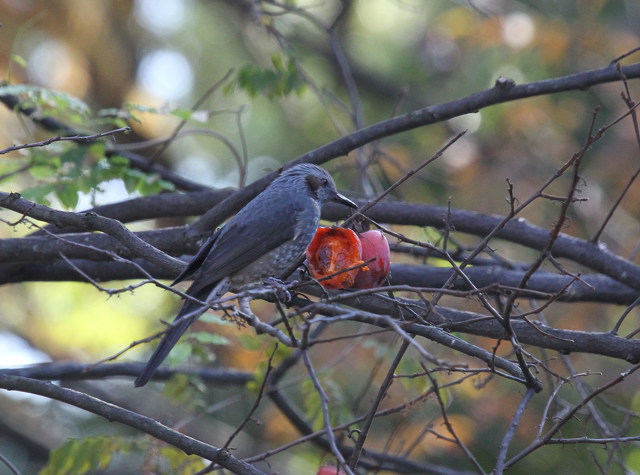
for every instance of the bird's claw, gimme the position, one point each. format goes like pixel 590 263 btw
pixel 280 287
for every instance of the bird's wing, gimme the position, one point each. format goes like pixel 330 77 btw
pixel 246 238
pixel 243 241
pixel 197 260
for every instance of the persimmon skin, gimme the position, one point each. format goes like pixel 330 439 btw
pixel 331 250
pixel 374 244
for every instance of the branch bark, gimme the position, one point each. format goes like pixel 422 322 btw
pixel 139 422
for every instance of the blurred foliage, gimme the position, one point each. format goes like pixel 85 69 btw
pixel 65 170
pixel 280 81
pixel 86 455
pixel 83 170
pixel 90 64
pixel 48 103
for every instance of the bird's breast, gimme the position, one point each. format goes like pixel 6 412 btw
pixel 282 257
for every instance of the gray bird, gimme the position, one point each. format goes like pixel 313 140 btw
pixel 265 239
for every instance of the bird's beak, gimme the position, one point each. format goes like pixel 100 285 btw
pixel 345 201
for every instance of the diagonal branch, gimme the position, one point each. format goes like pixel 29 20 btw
pixel 91 222
pixel 502 92
pixel 139 422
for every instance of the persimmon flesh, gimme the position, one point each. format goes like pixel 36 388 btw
pixel 332 250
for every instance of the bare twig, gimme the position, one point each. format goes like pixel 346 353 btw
pixel 63 138
pixel 381 393
pixel 449 426
pixel 324 400
pixel 508 436
pixel 565 418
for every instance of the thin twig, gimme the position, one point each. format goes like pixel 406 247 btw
pixel 380 395
pixel 449 426
pixel 568 416
pixel 61 138
pixel 325 412
pixel 508 436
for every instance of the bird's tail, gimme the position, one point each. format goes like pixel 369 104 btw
pixel 188 314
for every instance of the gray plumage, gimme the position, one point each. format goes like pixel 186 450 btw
pixel 264 239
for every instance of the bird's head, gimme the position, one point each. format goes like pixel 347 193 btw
pixel 317 182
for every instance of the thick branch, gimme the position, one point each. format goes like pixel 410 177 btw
pixel 491 279
pixel 519 231
pixel 91 222
pixel 590 287
pixel 78 371
pixel 47 249
pixel 175 241
pixel 544 336
pixel 502 92
pixel 163 205
pixel 142 423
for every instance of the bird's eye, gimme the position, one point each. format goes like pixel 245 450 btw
pixel 316 182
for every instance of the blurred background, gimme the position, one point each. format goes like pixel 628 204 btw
pixel 153 59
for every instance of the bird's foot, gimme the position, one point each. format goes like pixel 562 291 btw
pixel 280 287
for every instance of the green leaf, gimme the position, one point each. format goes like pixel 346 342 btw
pixel 209 338
pixel 141 108
pixel 277 82
pixel 632 461
pixel 313 401
pixel 185 390
pixel 180 462
pixel 112 112
pixel 39 194
pixel 211 317
pixel 67 194
pixel 276 60
pixel 116 117
pixel 51 102
pixel 445 395
pixel 41 172
pixel 119 161
pixel 145 183
pixel 230 88
pixel 180 353
pixel 43 165
pixel 184 114
pixel 152 184
pixel 72 162
pixel 131 179
pixel 87 455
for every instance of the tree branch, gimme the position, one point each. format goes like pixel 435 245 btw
pixel 447 319
pixel 500 93
pixel 139 422
pixel 139 162
pixel 91 222
pixel 65 371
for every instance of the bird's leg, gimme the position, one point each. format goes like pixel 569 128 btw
pixel 280 287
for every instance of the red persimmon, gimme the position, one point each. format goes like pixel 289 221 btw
pixel 332 250
pixel 374 244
